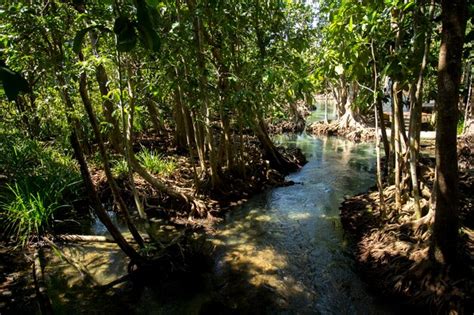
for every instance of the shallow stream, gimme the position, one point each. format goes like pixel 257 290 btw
pixel 283 251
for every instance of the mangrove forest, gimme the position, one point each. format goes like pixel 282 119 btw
pixel 236 157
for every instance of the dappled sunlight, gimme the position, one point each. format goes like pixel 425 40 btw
pixel 287 244
pixel 282 250
pixel 299 216
pixel 236 157
pixel 103 261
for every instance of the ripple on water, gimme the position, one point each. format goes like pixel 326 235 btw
pixel 294 243
pixel 283 251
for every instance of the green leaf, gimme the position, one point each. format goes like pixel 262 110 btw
pixel 148 36
pixel 408 6
pixel 126 35
pixel 76 47
pixel 13 82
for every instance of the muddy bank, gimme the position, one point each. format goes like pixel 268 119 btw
pixel 238 184
pixel 356 134
pixel 392 249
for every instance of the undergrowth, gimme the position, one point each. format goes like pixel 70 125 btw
pixel 40 180
pixel 155 163
pixel 120 168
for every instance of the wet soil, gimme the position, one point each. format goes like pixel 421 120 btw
pixel 237 184
pixel 365 134
pixel 393 250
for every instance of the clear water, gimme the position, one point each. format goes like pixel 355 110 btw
pixel 323 108
pixel 290 239
pixel 283 251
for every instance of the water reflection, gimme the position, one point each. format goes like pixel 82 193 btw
pixel 284 250
pixel 290 240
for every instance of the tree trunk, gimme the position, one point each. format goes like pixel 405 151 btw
pixel 105 159
pixel 422 45
pixel 188 127
pixel 103 81
pixel 277 160
pixel 153 112
pixel 468 127
pixel 445 234
pixel 208 135
pixel 224 85
pixel 376 100
pixel 396 135
pixel 179 127
pixel 128 132
pixel 342 99
pixel 298 119
pixel 383 132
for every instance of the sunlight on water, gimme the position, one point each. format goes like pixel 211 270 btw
pixel 299 216
pixel 290 239
pixel 281 252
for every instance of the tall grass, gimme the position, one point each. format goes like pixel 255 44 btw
pixel 40 180
pixel 26 214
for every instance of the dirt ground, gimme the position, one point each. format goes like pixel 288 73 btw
pixel 392 249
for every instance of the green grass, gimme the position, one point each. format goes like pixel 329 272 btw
pixel 155 163
pixel 26 214
pixel 41 179
pixel 120 168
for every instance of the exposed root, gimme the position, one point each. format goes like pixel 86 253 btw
pixel 353 131
pixel 393 250
pixel 177 198
pixel 198 208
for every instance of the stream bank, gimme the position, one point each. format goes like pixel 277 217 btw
pixel 393 251
pixel 362 134
pixel 282 251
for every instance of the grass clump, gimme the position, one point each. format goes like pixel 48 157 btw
pixel 120 168
pixel 26 214
pixel 39 180
pixel 155 163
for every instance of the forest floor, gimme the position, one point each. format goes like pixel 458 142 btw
pixel 392 249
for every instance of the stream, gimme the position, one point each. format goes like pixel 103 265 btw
pixel 290 239
pixel 283 251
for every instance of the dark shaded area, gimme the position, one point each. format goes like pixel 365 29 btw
pixel 392 251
